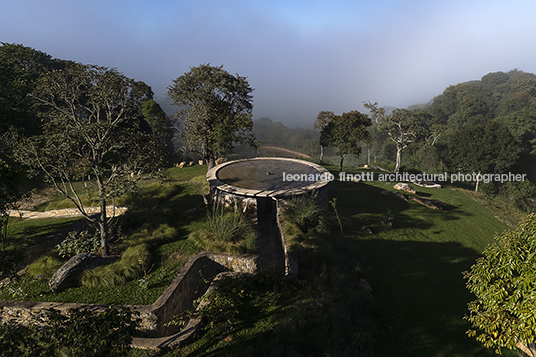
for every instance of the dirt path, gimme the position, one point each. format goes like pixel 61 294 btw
pixel 284 151
pixel 66 212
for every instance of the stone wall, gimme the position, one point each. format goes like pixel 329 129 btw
pixel 237 263
pixel 190 284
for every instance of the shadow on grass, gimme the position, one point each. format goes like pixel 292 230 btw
pixel 31 232
pixel 421 298
pixel 324 313
pixel 368 206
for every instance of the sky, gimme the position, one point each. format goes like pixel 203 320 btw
pixel 301 57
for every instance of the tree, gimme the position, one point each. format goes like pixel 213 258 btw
pixel 159 123
pixel 404 127
pixel 504 283
pixel 322 119
pixel 215 110
pixel 20 67
pixel 487 147
pixel 345 131
pixel 92 126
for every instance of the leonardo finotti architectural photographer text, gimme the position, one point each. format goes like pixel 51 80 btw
pixel 405 176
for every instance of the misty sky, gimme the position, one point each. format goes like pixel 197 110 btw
pixel 301 57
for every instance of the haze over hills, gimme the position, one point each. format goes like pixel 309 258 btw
pixel 301 57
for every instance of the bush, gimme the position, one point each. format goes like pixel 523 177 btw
pixel 83 333
pixel 503 281
pixel 78 242
pixel 226 230
pixel 304 212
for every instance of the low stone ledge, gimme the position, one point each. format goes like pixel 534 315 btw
pixel 190 284
pixel 238 263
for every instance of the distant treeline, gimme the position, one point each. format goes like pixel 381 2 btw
pixel 487 126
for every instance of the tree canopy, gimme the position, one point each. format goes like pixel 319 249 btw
pixel 504 283
pixel 486 147
pixel 20 67
pixel 345 131
pixel 215 110
pixel 92 125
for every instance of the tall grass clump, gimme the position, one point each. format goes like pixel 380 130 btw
pixel 303 219
pixel 132 265
pixel 226 230
pixel 45 265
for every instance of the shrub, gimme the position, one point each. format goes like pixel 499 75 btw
pixel 134 261
pixel 226 230
pixel 78 242
pixel 503 281
pixel 304 212
pixel 83 333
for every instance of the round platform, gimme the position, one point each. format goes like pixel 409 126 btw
pixel 268 177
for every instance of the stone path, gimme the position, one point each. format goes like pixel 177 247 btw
pixel 269 246
pixel 67 212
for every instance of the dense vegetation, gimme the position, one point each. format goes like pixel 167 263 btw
pixel 398 291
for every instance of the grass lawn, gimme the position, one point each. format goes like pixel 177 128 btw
pixel 415 268
pixel 158 222
pixel 24 233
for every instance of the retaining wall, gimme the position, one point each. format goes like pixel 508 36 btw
pixel 190 284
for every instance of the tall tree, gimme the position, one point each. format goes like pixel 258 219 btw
pixel 504 282
pixel 345 131
pixel 20 67
pixel 92 125
pixel 487 147
pixel 404 127
pixel 322 119
pixel 215 110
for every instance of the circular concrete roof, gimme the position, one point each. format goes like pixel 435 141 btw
pixel 268 177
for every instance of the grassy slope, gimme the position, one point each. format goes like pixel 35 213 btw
pixel 416 268
pixel 415 271
pixel 159 216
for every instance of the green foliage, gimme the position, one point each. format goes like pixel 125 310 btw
pixel 345 131
pixel 504 282
pixel 45 265
pixel 306 214
pixel 134 261
pixel 506 97
pixel 486 147
pixel 83 333
pixel 216 110
pixel 226 230
pixel 20 68
pixel 79 242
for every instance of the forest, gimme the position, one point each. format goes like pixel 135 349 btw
pixel 486 125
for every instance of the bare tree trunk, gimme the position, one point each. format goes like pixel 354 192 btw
pixel 529 350
pixel 342 159
pixel 103 226
pixel 398 158
pixel 321 154
pixel 477 181
pixel 103 220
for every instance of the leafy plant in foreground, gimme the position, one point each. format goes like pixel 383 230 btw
pixel 82 333
pixel 504 282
